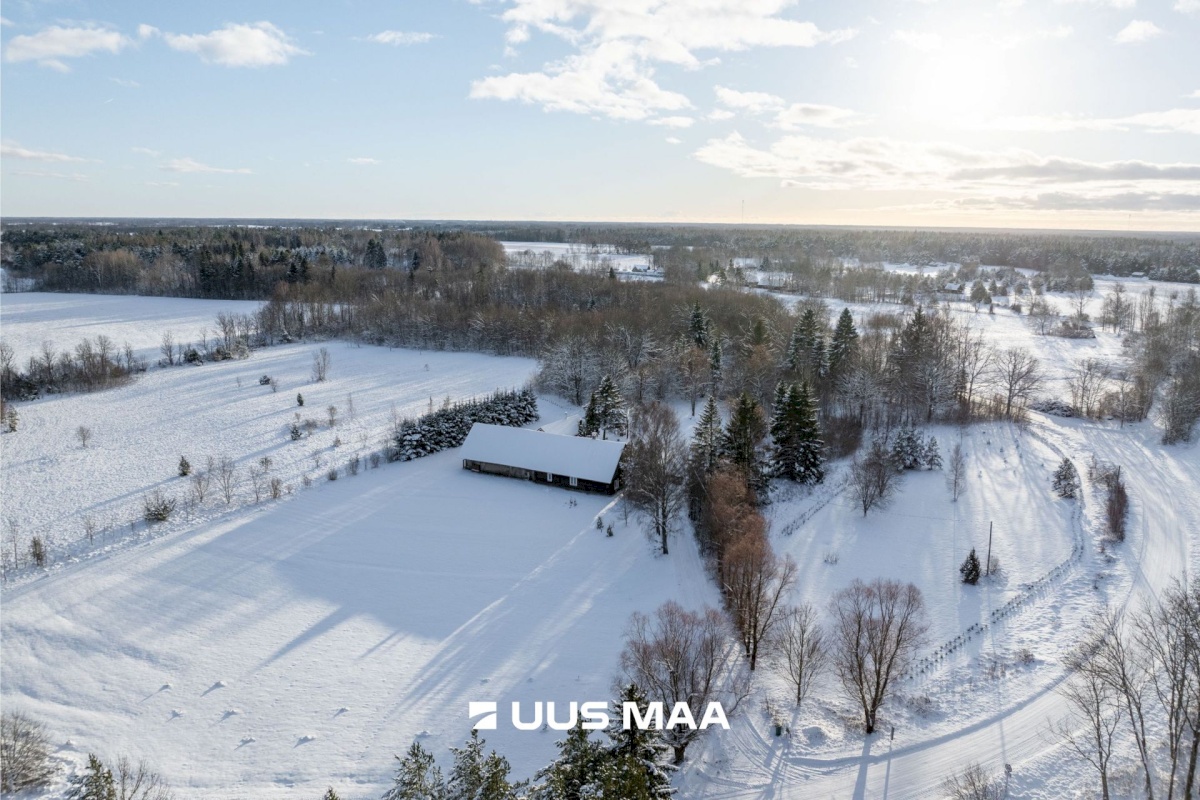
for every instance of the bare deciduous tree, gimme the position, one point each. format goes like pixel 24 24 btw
pixel 84 434
pixel 139 782
pixel 167 347
pixel 1096 713
pixel 876 629
pixel 226 472
pixel 1018 376
pixel 321 361
pixel 680 656
pixel 872 477
pixel 1087 384
pixel 656 460
pixel 24 753
pixel 800 643
pixel 956 476
pixel 200 479
pixel 756 582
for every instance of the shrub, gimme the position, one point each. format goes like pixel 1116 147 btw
pixel 332 474
pixel 157 507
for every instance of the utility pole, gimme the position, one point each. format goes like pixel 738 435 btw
pixel 988 570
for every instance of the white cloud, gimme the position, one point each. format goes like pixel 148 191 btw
pixel 1187 6
pixel 49 46
pixel 1109 3
pixel 607 80
pixel 1138 31
pixel 14 150
pixel 128 84
pixel 37 173
pixel 887 164
pixel 718 114
pixel 1194 95
pixel 5 21
pixel 192 165
pixel 674 140
pixel 399 38
pixel 146 151
pixel 611 72
pixel 364 161
pixel 162 183
pixel 673 122
pixel 145 31
pixel 925 41
pixel 800 115
pixel 258 44
pixel 1175 120
pixel 753 102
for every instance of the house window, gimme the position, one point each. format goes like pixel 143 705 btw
pixel 549 477
pixel 574 482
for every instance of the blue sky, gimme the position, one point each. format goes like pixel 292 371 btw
pixel 1046 113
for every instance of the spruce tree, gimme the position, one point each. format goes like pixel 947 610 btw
pixel 417 777
pixel 808 445
pixel 970 569
pixel 707 438
pixel 843 347
pixel 94 783
pixel 932 456
pixel 1066 479
pixel 610 408
pixel 476 776
pixel 908 449
pixel 185 468
pixel 299 399
pixel 699 327
pixel 330 794
pixel 639 758
pixel 739 443
pixel 590 424
pixel 573 775
pixel 714 365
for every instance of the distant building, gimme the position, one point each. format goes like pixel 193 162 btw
pixel 1137 274
pixel 573 462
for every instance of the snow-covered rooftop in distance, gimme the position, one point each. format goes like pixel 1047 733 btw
pixel 573 456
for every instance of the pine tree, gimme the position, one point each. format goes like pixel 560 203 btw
pixel 573 774
pixel 970 569
pixel 932 456
pixel 640 758
pixel 330 794
pixel 185 468
pixel 95 783
pixel 843 347
pixel 295 432
pixel 1066 479
pixel 299 399
pixel 417 777
pixel 707 437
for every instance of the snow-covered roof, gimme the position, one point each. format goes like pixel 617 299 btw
pixel 573 456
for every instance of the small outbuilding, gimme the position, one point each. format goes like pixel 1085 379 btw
pixel 573 462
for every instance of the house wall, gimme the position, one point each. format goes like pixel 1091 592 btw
pixel 563 481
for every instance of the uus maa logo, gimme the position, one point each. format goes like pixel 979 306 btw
pixel 596 716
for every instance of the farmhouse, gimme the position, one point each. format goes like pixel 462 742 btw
pixel 574 462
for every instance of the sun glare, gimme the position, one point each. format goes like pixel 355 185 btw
pixel 962 82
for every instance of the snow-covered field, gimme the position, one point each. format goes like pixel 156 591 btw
pixel 579 256
pixel 273 648
pixel 28 319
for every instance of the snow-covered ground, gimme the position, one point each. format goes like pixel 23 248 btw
pixel 580 257
pixel 273 648
pixel 27 319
